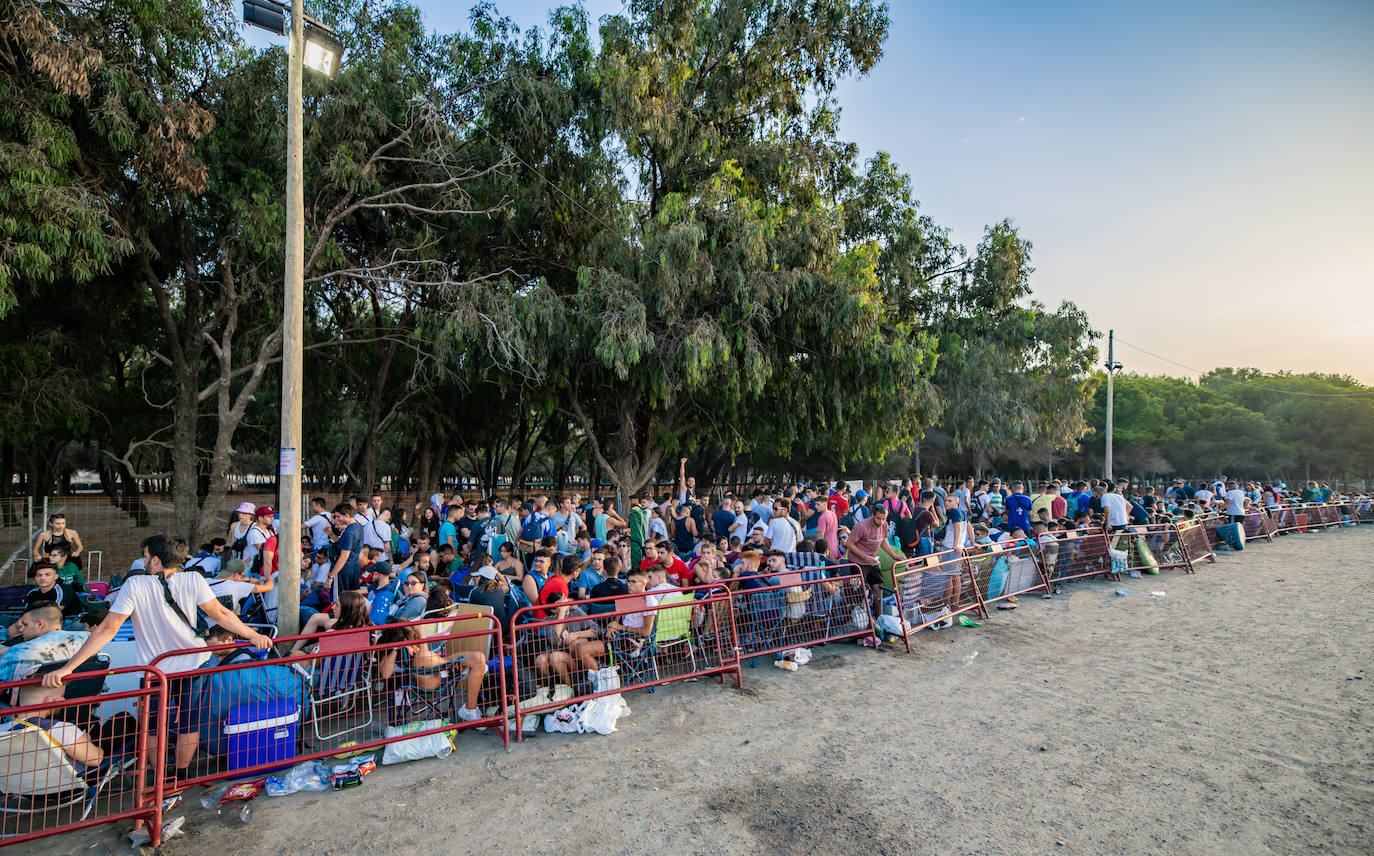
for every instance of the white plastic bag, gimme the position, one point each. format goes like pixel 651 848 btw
pixel 600 714
pixel 565 720
pixel 416 748
pixel 800 656
pixel 604 680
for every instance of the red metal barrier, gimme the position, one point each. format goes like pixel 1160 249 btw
pixel 931 589
pixel 1002 570
pixel 1362 510
pixel 1150 548
pixel 252 714
pixel 1258 524
pixel 643 640
pixel 1075 555
pixel 1285 519
pixel 1196 545
pixel 1328 515
pixel 805 607
pixel 1210 523
pixel 74 762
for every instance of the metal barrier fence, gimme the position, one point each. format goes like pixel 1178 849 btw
pixel 805 608
pixel 357 689
pixel 628 642
pixel 1192 536
pixel 79 756
pixel 1151 548
pixel 1001 572
pixel 1210 523
pixel 1258 524
pixel 932 590
pixel 1328 515
pixel 1362 511
pixel 1075 555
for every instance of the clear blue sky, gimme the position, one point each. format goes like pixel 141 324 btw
pixel 1197 175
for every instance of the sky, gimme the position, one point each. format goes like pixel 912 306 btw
pixel 1198 176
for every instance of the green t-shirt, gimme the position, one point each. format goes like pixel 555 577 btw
pixel 71 575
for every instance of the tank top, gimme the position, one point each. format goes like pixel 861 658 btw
pixel 56 542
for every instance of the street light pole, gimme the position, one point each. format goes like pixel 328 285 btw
pixel 293 329
pixel 1112 368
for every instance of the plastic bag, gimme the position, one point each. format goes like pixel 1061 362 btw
pixel 800 656
pixel 604 680
pixel 565 720
pixel 429 746
pixel 307 776
pixel 600 714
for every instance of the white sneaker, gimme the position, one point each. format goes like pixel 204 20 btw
pixel 468 715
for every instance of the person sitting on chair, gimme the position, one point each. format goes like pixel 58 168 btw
pixel 84 754
pixel 44 641
pixel 635 627
pixel 425 668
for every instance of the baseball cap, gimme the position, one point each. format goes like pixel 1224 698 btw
pixel 486 573
pixel 861 493
pixel 263 510
pixel 597 543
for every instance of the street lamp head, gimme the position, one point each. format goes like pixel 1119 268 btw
pixel 323 50
pixel 265 14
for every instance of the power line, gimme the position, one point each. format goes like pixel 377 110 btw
pixel 1266 387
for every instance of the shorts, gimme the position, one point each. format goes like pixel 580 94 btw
pixel 184 691
pixel 1237 518
pixel 873 574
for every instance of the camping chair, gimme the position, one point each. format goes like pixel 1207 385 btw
pixel 468 618
pixel 80 715
pixel 443 701
pixel 673 630
pixel 342 674
pixel 39 777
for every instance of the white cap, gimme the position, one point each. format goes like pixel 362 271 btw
pixel 487 572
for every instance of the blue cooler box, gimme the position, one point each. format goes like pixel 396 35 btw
pixel 261 732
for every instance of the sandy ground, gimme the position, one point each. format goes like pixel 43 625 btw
pixel 1231 716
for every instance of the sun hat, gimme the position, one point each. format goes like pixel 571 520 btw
pixel 244 508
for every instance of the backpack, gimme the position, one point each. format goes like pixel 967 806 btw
pixel 530 532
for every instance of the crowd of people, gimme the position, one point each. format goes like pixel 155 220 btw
pixel 366 564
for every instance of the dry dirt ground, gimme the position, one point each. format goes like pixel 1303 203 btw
pixel 1230 716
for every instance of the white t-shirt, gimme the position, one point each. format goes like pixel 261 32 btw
pixel 321 572
pixel 319 527
pixel 157 629
pixel 1203 496
pixel 208 565
pixel 256 538
pixel 236 590
pixel 1235 501
pixel 1117 508
pixel 781 535
pixel 740 529
pixel 377 533
pixel 659 528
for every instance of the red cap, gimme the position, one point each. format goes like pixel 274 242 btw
pixel 263 510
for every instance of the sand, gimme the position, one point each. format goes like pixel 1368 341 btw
pixel 1230 716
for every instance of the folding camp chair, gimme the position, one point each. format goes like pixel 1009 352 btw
pixel 673 630
pixel 342 674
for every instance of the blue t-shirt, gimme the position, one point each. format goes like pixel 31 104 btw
pixel 588 579
pixel 448 534
pixel 349 577
pixel 1018 511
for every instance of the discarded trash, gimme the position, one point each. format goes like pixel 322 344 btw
pixel 786 665
pixel 1157 594
pixel 1122 592
pixel 243 792
pixel 306 776
pixel 1280 580
pixel 171 829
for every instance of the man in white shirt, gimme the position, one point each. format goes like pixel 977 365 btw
pixel 377 531
pixel 162 604
pixel 782 531
pixel 1115 507
pixel 1203 497
pixel 1235 503
pixel 258 534
pixel 319 525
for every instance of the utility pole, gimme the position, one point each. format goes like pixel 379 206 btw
pixel 292 362
pixel 1112 368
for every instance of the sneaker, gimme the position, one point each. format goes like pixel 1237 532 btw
pixel 468 715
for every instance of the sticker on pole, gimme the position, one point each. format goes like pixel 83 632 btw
pixel 287 467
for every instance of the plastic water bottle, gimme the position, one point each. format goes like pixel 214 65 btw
pixel 785 664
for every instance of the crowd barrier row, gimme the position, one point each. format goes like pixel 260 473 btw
pixel 401 691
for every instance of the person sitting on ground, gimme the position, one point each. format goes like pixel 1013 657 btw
pixel 43 642
pixel 84 754
pixel 49 589
pixel 349 612
pixel 420 665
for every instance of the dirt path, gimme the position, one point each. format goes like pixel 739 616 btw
pixel 1231 716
